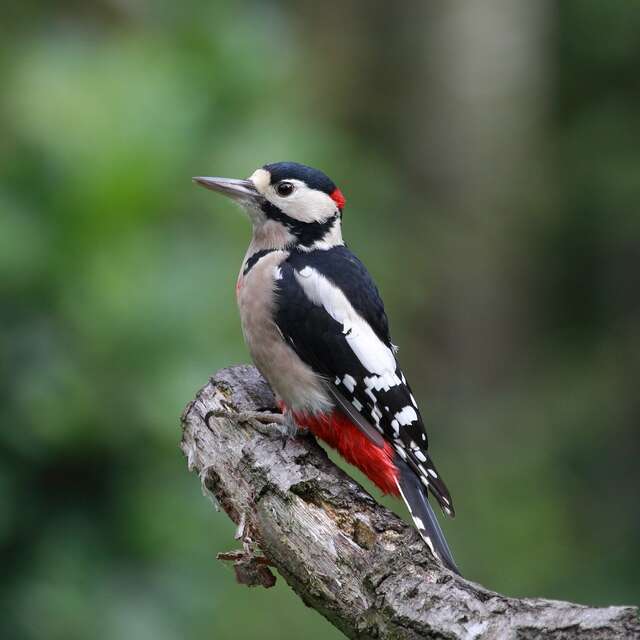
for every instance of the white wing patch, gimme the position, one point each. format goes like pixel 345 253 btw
pixel 305 273
pixel 406 415
pixel 374 355
pixel 349 382
pixel 385 381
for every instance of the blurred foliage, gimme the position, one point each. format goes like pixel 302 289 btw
pixel 117 280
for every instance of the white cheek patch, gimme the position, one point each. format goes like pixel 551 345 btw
pixel 261 178
pixel 304 204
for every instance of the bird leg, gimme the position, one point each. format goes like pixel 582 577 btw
pixel 281 424
pixel 262 417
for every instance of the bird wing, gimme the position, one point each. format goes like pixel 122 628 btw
pixel 374 436
pixel 330 312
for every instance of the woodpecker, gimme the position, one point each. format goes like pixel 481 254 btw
pixel 316 328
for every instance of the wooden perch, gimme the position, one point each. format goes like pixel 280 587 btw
pixel 346 556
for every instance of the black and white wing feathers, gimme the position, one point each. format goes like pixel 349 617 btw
pixel 330 312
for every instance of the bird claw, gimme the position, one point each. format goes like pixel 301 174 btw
pixel 263 417
pixel 263 422
pixel 268 423
pixel 280 424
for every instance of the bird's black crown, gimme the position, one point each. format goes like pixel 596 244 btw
pixel 313 178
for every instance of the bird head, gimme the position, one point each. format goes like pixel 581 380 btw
pixel 288 203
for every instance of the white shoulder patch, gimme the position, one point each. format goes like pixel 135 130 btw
pixel 372 353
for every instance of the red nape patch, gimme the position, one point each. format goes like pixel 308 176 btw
pixel 341 434
pixel 338 198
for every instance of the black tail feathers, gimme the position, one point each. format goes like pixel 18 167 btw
pixel 415 497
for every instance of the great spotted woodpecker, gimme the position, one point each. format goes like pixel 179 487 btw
pixel 317 330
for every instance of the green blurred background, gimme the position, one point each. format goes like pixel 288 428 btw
pixel 490 156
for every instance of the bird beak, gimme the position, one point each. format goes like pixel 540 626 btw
pixel 239 190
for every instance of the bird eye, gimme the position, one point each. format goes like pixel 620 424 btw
pixel 284 188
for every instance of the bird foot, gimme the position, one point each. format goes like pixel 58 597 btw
pixel 262 417
pixel 280 424
pixel 265 422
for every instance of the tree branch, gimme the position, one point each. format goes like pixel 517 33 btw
pixel 346 556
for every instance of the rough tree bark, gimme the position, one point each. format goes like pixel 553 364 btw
pixel 346 556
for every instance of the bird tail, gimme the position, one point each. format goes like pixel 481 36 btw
pixel 415 497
